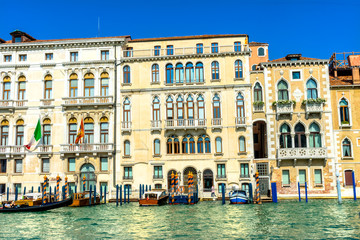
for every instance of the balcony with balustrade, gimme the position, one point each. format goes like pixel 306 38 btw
pixel 173 124
pixel 155 125
pixel 11 151
pixel 47 103
pixel 186 51
pixel 86 102
pixel 240 122
pixel 126 126
pixel 216 123
pixel 295 154
pixel 313 108
pixel 284 109
pixel 45 150
pixel 91 148
pixel 11 105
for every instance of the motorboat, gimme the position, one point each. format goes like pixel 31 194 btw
pixel 8 208
pixel 155 197
pixel 238 196
pixel 82 199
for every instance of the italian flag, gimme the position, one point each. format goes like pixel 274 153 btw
pixel 35 139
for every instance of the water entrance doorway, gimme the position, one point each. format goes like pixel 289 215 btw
pixel 88 171
pixel 260 139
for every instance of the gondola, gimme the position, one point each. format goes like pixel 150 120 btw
pixel 44 207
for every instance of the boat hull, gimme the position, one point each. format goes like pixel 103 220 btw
pixel 84 202
pixel 153 202
pixel 239 200
pixel 40 208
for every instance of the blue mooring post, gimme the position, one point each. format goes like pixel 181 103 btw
pixel 146 187
pixel 100 193
pixel 39 189
pixel 250 193
pixel 143 189
pixel 7 194
pixel 306 198
pixel 94 194
pixel 75 188
pixel 16 193
pixel 274 192
pixel 32 189
pixel 24 190
pixel 149 187
pixel 124 194
pixel 90 195
pixel 117 195
pixel 120 195
pixel 139 191
pixel 105 194
pixel 354 184
pixel 128 193
pixel 55 194
pixel 223 193
pixel 50 194
pixel 299 191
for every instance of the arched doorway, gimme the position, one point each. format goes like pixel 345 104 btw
pixel 87 170
pixel 259 136
pixel 208 180
pixel 185 177
pixel 169 179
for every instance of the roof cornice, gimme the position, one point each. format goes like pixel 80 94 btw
pixel 294 63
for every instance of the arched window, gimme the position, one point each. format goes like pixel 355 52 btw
pixel 346 147
pixel 156 109
pixel 104 130
pixel 208 180
pixel 126 148
pixel 190 107
pixel 88 130
pixel 89 85
pixel 22 88
pixel 179 73
pixel 46 131
pixel 180 107
pixel 72 130
pixel 218 144
pixel 285 137
pixel 311 88
pixel 199 72
pixel 185 145
pixel 88 171
pixel 242 147
pixel 283 93
pixel 191 145
pixel 253 67
pixel 300 137
pixel 169 144
pixel 6 88
pixel 215 70
pixel 48 87
pixel 4 132
pixel 126 113
pixel 157 147
pixel 73 85
pixel 176 146
pixel 201 109
pixel 189 73
pixel 200 145
pixel 240 110
pixel 315 136
pixel 344 112
pixel 126 72
pixel 238 69
pixel 155 73
pixel 207 145
pixel 216 107
pixel 257 93
pixel 104 82
pixel 169 74
pixel 20 132
pixel 169 108
pixel 261 52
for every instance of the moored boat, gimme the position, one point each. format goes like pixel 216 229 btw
pixel 156 197
pixel 82 199
pixel 238 196
pixel 44 207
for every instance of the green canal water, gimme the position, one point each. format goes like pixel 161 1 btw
pixel 318 219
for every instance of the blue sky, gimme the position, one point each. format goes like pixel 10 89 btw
pixel 315 28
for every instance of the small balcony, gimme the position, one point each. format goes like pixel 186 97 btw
pixel 206 50
pixel 216 123
pixel 47 103
pixel 258 108
pixel 84 102
pixel 45 149
pixel 127 177
pixel 220 177
pixel 126 126
pixel 284 109
pixel 10 105
pixel 93 148
pixel 244 175
pixel 155 125
pixel 301 153
pixel 5 151
pixel 185 124
pixel 158 176
pixel 240 122
pixel 12 150
pixel 313 108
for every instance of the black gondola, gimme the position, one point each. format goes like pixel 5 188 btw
pixel 40 208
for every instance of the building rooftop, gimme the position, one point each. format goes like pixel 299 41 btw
pixel 188 37
pixel 293 57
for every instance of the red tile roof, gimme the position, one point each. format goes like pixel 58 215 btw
pixel 341 81
pixel 187 37
pixel 258 44
pixel 286 59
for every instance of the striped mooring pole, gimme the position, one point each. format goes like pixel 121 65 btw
pixel 172 188
pixel 57 188
pixel 44 188
pixel 189 186
pixel 66 187
pixel 84 183
pixel 176 183
pixel 257 189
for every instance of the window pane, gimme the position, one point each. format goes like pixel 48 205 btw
pixel 285 177
pixel 104 164
pixel 46 165
pixel 302 176
pixel 318 178
pixel 71 164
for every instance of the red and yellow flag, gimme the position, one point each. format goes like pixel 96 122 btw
pixel 80 133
